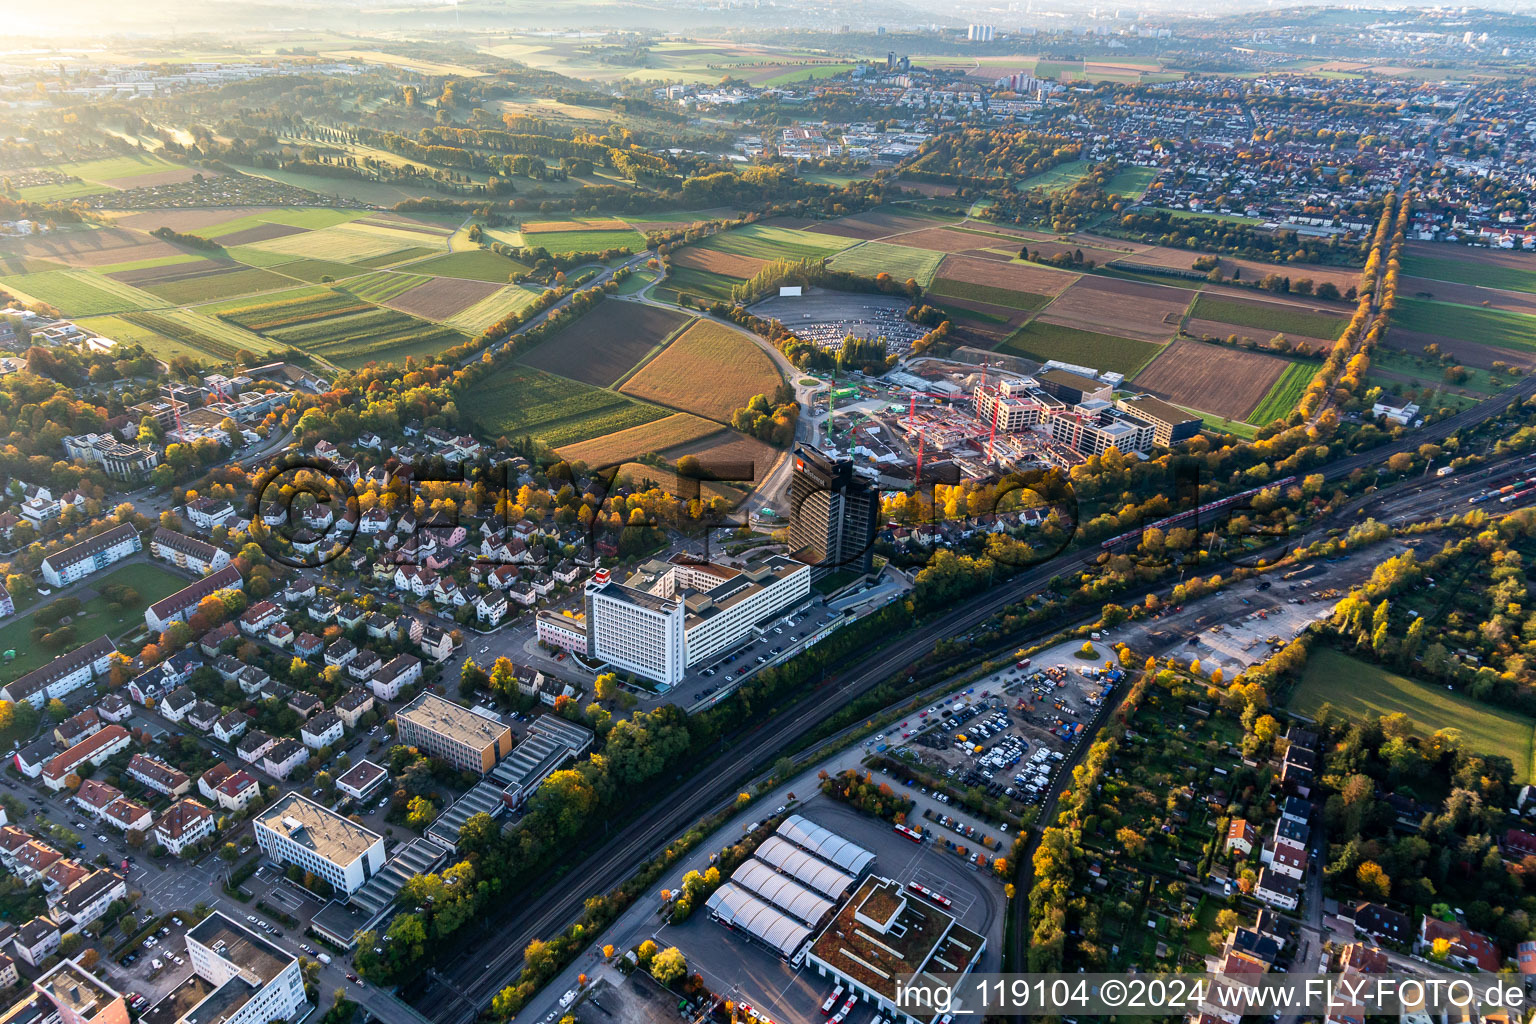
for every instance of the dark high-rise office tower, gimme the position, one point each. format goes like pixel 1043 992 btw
pixel 832 514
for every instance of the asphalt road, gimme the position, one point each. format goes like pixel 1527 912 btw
pixel 463 987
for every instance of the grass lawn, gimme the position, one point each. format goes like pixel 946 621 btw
pixel 1431 374
pixel 900 261
pixel 1057 178
pixel 1270 317
pixel 476 265
pixel 1469 323
pixel 1359 689
pixel 1478 272
pixel 152 583
pixel 1132 181
pixel 1043 341
pixel 1283 394
pixel 1247 431
pixel 635 282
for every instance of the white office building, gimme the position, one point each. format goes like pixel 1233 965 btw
pixel 674 614
pixel 253 981
pixel 299 831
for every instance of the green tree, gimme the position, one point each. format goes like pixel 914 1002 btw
pixel 57 710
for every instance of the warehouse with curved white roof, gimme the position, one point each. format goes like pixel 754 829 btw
pixel 827 845
pixel 811 872
pixel 781 891
pixel 738 908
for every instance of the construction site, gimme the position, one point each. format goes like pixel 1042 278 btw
pixel 942 421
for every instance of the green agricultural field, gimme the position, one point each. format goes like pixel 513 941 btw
pixel 80 292
pixel 474 265
pixel 313 270
pixel 260 257
pixel 198 335
pixel 382 285
pixel 1283 394
pixel 1043 341
pixel 900 261
pixel 815 71
pixel 156 261
pixel 951 289
pixel 1247 431
pixel 1271 317
pixel 1058 178
pixel 115 167
pixel 769 242
pixel 1495 327
pixel 491 309
pixel 390 259
pixel 62 191
pixel 18 265
pixel 313 218
pixel 1476 272
pixel 519 400
pixel 380 335
pixel 1362 690
pixel 150 581
pixel 216 287
pixel 1132 181
pixel 698 283
pixel 558 242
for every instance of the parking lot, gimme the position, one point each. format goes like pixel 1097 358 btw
pixel 1009 733
pixel 826 318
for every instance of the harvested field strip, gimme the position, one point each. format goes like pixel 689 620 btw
pixel 733 365
pixel 318 333
pixel 292 309
pixel 1284 395
pixel 986 293
pixel 504 301
pixel 212 287
pixel 540 227
pixel 1269 316
pixel 80 293
pixel 259 233
pixel 309 218
pixel 713 261
pixel 162 270
pixel 342 243
pixel 382 285
pixel 603 345
pixel 1468 323
pixel 679 428
pixel 900 261
pixel 519 400
pixel 395 225
pixel 117 269
pixel 258 257
pixel 1044 341
pixel 1014 276
pixel 439 298
pixel 1215 379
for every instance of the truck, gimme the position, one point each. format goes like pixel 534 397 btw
pixel 324 958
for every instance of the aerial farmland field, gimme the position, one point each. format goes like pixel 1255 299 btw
pixel 1214 378
pixel 901 262
pixel 519 400
pixel 735 367
pixel 603 344
pixel 1044 341
pixel 1270 317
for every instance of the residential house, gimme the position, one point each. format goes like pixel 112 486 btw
pixel 93 750
pixel 324 730
pixel 1381 922
pixel 187 552
pixel 37 940
pixel 284 756
pixel 186 823
pixel 209 512
pixel 397 674
pixel 183 603
pixel 124 814
pixel 1277 890
pixel 436 643
pixel 1466 947
pixel 254 745
pixel 229 727
pixel 491 608
pixel 63 675
pixel 259 618
pixel 91 555
pixel 1241 837
pixel 155 774
pixel 353 705
pixel 364 665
